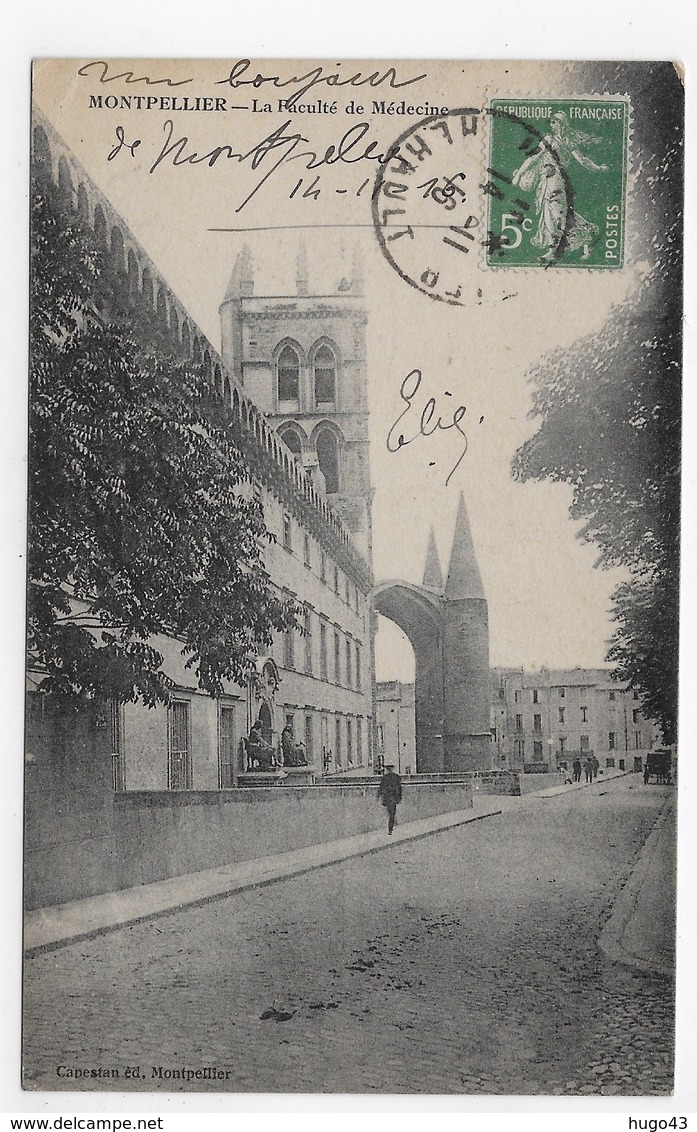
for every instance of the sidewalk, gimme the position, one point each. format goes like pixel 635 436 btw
pixel 641 929
pixel 46 929
pixel 566 787
pixel 49 928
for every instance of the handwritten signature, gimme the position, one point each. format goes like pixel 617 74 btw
pixel 427 426
pixel 312 78
pixel 279 145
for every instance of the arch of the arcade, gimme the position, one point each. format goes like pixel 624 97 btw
pixel 419 614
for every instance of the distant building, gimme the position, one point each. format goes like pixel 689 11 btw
pixel 538 719
pixel 396 729
pixel 554 715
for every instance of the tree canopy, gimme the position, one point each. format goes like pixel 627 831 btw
pixel 142 520
pixel 609 424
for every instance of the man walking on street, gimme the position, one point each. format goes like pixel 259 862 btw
pixel 390 794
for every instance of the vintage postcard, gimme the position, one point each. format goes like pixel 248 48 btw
pixel 351 726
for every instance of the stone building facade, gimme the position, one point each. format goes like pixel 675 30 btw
pixel 308 463
pixel 395 727
pixel 545 718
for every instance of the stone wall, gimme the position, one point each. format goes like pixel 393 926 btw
pixel 496 782
pixel 531 782
pixel 151 835
pixel 69 836
pixel 481 781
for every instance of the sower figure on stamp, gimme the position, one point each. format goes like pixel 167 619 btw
pixel 390 794
pixel 559 226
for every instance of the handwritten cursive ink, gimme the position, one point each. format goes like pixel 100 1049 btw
pixel 344 151
pixel 128 77
pixel 121 143
pixel 281 144
pixel 312 78
pixel 276 140
pixel 427 425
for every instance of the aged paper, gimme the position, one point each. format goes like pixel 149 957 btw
pixel 355 406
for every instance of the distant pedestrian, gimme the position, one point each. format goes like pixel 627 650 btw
pixel 390 794
pixel 596 767
pixel 577 770
pixel 588 767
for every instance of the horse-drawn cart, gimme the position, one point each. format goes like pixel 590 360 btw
pixel 659 766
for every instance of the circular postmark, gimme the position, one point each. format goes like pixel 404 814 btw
pixel 426 204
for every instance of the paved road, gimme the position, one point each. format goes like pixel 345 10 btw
pixel 463 963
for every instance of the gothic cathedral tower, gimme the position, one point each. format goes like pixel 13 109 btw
pixel 302 359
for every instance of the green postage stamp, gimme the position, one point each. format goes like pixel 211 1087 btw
pixel 558 182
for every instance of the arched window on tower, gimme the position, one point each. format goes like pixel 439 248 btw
pixel 288 380
pixel 328 459
pixel 325 376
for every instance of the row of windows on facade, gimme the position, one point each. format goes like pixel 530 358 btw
pixel 610 761
pixel 333 756
pixel 537 719
pixel 562 742
pixel 345 736
pixel 582 691
pixel 348 592
pixel 323 370
pixel 538 754
pixel 347 658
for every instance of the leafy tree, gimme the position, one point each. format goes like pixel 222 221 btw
pixel 609 416
pixel 142 518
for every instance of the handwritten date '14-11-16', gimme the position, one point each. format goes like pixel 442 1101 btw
pixel 429 422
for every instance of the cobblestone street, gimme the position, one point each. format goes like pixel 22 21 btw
pixel 466 962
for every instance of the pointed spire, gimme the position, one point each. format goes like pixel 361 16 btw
pixel 242 278
pixel 301 272
pixel 433 575
pixel 345 284
pixel 357 267
pixel 464 579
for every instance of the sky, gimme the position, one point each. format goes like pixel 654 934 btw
pixel 548 605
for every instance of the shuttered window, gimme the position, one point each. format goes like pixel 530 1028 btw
pixel 179 762
pixel 226 747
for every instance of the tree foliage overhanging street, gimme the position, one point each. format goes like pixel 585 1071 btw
pixel 609 412
pixel 142 518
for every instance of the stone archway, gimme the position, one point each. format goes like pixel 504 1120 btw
pixel 448 627
pixel 419 615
